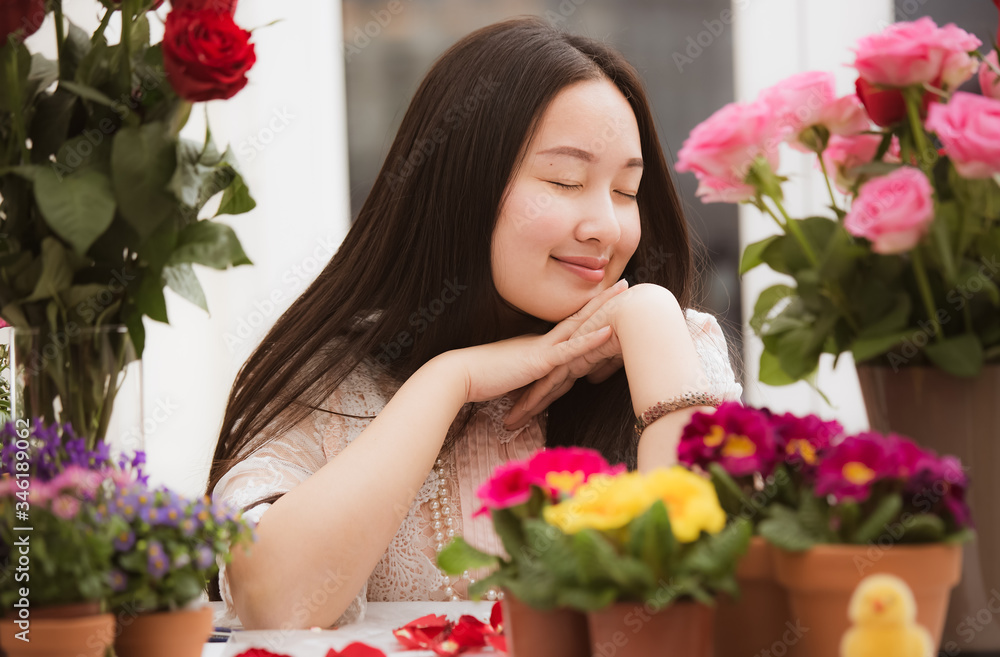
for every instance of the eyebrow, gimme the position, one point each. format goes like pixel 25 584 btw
pixel 586 156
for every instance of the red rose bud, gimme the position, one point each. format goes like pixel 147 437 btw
pixel 887 107
pixel 421 633
pixel 356 649
pixel 23 17
pixel 206 55
pixel 225 6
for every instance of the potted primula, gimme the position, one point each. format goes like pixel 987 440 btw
pixel 644 555
pixel 164 552
pixel 869 504
pixel 59 554
pixel 755 459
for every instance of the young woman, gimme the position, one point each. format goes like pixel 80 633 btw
pixel 489 266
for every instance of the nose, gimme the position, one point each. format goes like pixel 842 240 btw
pixel 599 219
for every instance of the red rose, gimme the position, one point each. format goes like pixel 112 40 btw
pixel 24 15
pixel 227 6
pixel 206 55
pixel 886 106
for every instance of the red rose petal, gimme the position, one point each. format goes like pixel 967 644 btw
pixel 259 652
pixel 497 642
pixel 496 618
pixel 470 632
pixel 422 632
pixel 356 649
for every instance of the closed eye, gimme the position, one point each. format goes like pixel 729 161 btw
pixel 628 196
pixel 563 185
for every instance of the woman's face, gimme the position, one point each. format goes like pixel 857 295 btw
pixel 572 201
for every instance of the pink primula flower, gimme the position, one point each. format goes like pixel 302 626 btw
pixel 564 469
pixel 853 466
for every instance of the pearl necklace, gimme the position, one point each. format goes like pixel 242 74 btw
pixel 444 530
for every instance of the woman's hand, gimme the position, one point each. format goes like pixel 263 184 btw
pixel 596 365
pixel 494 369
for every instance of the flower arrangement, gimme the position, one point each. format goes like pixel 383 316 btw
pixel 805 483
pixel 904 270
pixel 165 545
pixel 103 205
pixel 581 534
pixel 68 548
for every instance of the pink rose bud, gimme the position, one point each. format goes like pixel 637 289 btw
pixel 893 212
pixel 917 52
pixel 969 127
pixel 989 81
pixel 720 150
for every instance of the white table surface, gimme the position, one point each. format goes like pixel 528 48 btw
pixel 375 630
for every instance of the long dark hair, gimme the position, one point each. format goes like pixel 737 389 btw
pixel 428 222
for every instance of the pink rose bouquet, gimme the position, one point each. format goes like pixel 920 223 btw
pixel 904 269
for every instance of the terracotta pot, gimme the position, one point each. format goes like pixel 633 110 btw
pixel 80 636
pixel 164 634
pixel 627 629
pixel 957 416
pixel 820 582
pixel 533 633
pixel 762 617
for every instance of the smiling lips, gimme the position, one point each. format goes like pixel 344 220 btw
pixel 589 269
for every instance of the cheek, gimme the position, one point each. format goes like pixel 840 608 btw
pixel 533 218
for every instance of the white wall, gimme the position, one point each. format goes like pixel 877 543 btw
pixel 774 39
pixel 293 110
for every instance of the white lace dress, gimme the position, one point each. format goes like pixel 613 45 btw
pixel 407 570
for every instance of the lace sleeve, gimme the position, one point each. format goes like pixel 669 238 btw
pixel 714 354
pixel 286 462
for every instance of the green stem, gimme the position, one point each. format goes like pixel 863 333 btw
pixel 102 27
pixel 925 292
pixel 925 157
pixel 17 104
pixel 829 187
pixel 796 232
pixel 57 16
pixel 127 13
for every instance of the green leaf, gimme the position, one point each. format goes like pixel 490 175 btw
pixel 972 278
pixel 43 73
pixel 875 524
pixel 784 530
pixel 961 355
pixel 79 207
pixel 771 372
pixel 149 297
pixel 182 280
pixel 731 497
pixel 766 302
pixel 508 529
pixel 458 556
pixel 142 163
pixel 893 321
pixel 74 49
pixel 209 243
pixel 652 541
pixel 867 348
pixel 752 254
pixel 236 199
pixel 552 548
pixel 586 599
pixel 717 554
pixel 57 275
pixel 11 87
pixel 923 528
pixel 87 93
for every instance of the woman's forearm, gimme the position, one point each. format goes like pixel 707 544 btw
pixel 661 362
pixel 319 542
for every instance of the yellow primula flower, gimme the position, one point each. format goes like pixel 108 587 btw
pixel 604 503
pixel 691 501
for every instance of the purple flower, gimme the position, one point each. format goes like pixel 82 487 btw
pixel 188 526
pixel 124 541
pixel 853 465
pixel 737 437
pixel 204 557
pixel 119 582
pixel 157 563
pixel 802 440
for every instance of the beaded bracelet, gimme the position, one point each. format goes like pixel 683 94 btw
pixel 659 409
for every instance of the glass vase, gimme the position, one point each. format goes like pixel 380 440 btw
pixel 87 377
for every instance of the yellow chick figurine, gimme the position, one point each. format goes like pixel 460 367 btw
pixel 883 615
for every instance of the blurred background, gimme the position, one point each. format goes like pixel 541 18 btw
pixel 332 81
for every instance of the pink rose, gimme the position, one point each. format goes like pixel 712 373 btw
pixel 915 53
pixel 720 150
pixel 797 101
pixel 989 82
pixel 844 153
pixel 893 212
pixel 844 116
pixel 969 127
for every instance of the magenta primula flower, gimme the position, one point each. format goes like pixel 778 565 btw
pixel 932 479
pixel 561 470
pixel 738 438
pixel 802 440
pixel 510 485
pixel 851 467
